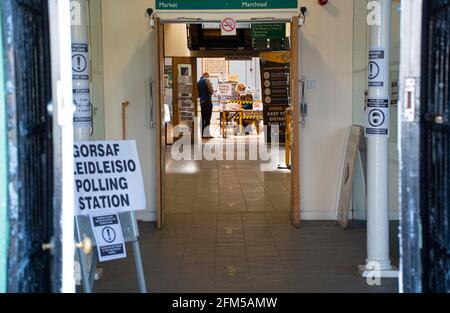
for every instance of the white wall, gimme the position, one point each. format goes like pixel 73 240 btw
pixel 325 56
pixel 175 40
pixel 96 54
pixel 129 61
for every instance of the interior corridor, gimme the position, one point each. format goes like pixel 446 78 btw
pixel 228 186
pixel 228 230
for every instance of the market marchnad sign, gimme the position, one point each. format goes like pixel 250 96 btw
pixel 108 177
pixel 225 4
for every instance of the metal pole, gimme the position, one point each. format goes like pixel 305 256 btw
pixel 139 267
pixel 83 264
pixel 93 268
pixel 377 132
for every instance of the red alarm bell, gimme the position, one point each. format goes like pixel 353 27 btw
pixel 323 2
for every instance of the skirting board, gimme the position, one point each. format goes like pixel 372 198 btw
pixel 146 216
pixel 361 216
pixel 318 215
pixel 150 216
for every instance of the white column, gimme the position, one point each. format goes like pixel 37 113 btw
pixel 82 118
pixel 378 144
pixel 81 66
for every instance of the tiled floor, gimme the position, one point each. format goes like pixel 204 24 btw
pixel 225 186
pixel 228 230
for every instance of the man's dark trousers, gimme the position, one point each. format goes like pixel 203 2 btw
pixel 207 108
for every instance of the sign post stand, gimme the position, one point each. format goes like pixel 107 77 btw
pixel 139 266
pixel 131 234
pixel 82 260
pixel 109 187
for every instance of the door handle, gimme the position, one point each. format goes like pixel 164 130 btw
pixel 152 117
pixel 303 106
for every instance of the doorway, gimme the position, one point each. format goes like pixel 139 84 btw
pixel 221 185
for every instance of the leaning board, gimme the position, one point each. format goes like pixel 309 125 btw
pixel 347 175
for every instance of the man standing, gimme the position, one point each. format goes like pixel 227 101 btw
pixel 205 91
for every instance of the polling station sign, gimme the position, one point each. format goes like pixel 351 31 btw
pixel 108 177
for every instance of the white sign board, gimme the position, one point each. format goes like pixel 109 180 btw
pixel 376 67
pixel 377 117
pixel 108 177
pixel 108 236
pixel 225 89
pixel 228 26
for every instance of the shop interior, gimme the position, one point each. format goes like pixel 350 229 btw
pixel 249 73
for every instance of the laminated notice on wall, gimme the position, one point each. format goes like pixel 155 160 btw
pixel 185 88
pixel 186 107
pixel 81 85
pixel 80 61
pixel 377 117
pixel 82 116
pixel 376 67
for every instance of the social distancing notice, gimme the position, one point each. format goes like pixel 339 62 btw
pixel 377 117
pixel 377 108
pixel 376 67
pixel 81 85
pixel 108 177
pixel 108 236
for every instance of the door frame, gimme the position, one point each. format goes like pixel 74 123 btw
pixel 410 133
pixel 63 271
pixel 4 227
pixel 160 129
pixel 294 105
pixel 49 251
pixel 295 128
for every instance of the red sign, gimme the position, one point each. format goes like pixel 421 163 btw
pixel 228 26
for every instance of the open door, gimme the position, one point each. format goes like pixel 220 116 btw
pixel 33 200
pixel 295 131
pixel 182 67
pixel 160 132
pixel 177 64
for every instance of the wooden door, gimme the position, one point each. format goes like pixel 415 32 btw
pixel 160 127
pixel 176 63
pixel 295 129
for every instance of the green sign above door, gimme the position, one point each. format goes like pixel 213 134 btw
pixel 225 4
pixel 272 31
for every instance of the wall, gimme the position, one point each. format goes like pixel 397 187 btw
pixel 96 55
pixel 360 61
pixel 175 40
pixel 325 56
pixel 248 72
pixel 129 54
